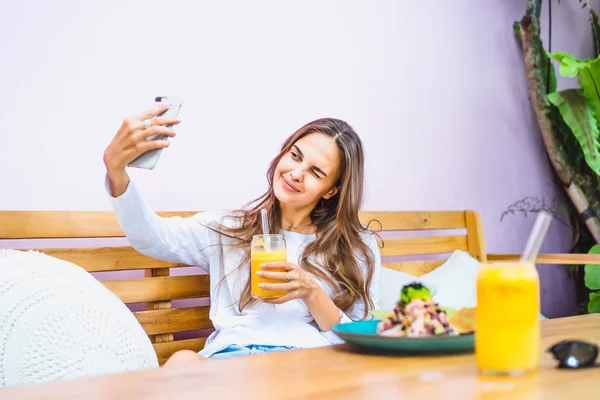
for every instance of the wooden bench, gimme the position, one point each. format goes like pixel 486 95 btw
pixel 416 235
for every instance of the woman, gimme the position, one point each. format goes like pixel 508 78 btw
pixel 315 191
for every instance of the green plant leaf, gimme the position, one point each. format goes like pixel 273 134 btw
pixel 579 117
pixel 595 30
pixel 549 76
pixel 546 66
pixel 594 304
pixel 589 80
pixel 592 271
pixel 588 72
pixel 569 64
pixel 566 136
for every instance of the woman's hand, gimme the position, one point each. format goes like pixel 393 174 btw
pixel 131 140
pixel 301 285
pixel 298 283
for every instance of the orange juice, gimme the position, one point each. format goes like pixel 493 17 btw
pixel 507 325
pixel 264 251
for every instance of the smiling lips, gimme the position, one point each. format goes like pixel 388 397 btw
pixel 288 186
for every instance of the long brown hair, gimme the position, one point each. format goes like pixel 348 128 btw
pixel 338 230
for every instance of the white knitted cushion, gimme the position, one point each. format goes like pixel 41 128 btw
pixel 58 322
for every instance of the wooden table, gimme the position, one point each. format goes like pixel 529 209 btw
pixel 338 373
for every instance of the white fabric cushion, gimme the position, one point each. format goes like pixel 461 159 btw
pixel 453 282
pixel 58 322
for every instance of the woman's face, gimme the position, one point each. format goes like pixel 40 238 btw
pixel 307 172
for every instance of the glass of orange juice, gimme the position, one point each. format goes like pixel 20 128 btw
pixel 264 249
pixel 507 324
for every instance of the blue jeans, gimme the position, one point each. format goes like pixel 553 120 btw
pixel 234 350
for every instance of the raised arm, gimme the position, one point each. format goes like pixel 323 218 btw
pixel 179 240
pixel 176 239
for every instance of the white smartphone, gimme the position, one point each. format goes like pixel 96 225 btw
pixel 149 159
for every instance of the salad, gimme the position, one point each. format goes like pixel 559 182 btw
pixel 416 315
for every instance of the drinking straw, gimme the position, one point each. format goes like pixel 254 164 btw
pixel 265 221
pixel 536 237
pixel 265 229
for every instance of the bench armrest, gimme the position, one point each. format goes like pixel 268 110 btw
pixel 565 259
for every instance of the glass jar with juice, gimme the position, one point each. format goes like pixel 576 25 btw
pixel 265 249
pixel 507 324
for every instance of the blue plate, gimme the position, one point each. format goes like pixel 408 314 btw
pixel 363 334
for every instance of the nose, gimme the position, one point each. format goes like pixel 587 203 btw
pixel 297 175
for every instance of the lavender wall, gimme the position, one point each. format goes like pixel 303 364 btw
pixel 436 90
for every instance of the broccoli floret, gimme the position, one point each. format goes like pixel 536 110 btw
pixel 413 291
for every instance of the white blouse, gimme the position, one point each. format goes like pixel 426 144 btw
pixel 189 241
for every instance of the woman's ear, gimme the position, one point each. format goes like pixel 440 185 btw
pixel 332 192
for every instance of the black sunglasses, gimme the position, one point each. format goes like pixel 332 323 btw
pixel 574 353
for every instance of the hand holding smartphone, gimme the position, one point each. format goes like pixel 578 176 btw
pixel 149 159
